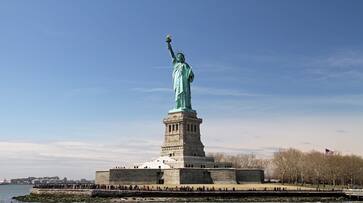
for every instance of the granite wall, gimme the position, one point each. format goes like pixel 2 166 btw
pixel 249 175
pixel 195 176
pixel 171 176
pixel 179 176
pixel 223 176
pixel 102 177
pixel 135 176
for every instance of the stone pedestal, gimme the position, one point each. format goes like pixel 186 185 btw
pixel 182 141
pixel 182 135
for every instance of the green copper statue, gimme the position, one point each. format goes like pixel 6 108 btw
pixel 182 77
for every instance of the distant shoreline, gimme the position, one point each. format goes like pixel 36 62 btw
pixel 14 184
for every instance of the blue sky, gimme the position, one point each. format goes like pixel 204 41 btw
pixel 85 84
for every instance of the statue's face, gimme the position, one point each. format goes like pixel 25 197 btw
pixel 180 58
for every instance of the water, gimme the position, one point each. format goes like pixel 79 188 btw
pixel 9 191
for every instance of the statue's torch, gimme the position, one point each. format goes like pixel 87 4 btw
pixel 168 38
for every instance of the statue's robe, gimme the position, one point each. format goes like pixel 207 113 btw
pixel 182 77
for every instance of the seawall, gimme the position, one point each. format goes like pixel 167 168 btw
pixel 155 193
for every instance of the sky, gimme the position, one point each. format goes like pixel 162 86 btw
pixel 84 85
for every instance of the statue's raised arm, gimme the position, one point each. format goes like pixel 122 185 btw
pixel 168 40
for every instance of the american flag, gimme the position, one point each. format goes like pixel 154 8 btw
pixel 328 151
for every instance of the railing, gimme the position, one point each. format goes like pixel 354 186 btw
pixel 354 192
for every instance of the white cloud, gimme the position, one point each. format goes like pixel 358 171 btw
pixel 54 157
pixel 153 89
pixel 222 92
pixel 213 68
pixel 87 91
pixel 345 59
pixel 201 91
pixel 162 67
pixel 262 136
pixel 286 105
pixel 347 64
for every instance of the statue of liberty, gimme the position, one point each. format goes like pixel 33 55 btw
pixel 182 77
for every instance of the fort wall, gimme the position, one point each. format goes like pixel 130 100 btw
pixel 249 175
pixel 134 176
pixel 177 176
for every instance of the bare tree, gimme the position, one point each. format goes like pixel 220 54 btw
pixel 294 166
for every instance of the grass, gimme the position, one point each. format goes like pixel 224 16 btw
pixel 57 198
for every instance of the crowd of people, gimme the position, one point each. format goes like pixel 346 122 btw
pixel 131 187
pixel 153 188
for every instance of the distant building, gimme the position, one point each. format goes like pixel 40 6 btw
pixel 47 180
pixel 4 182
